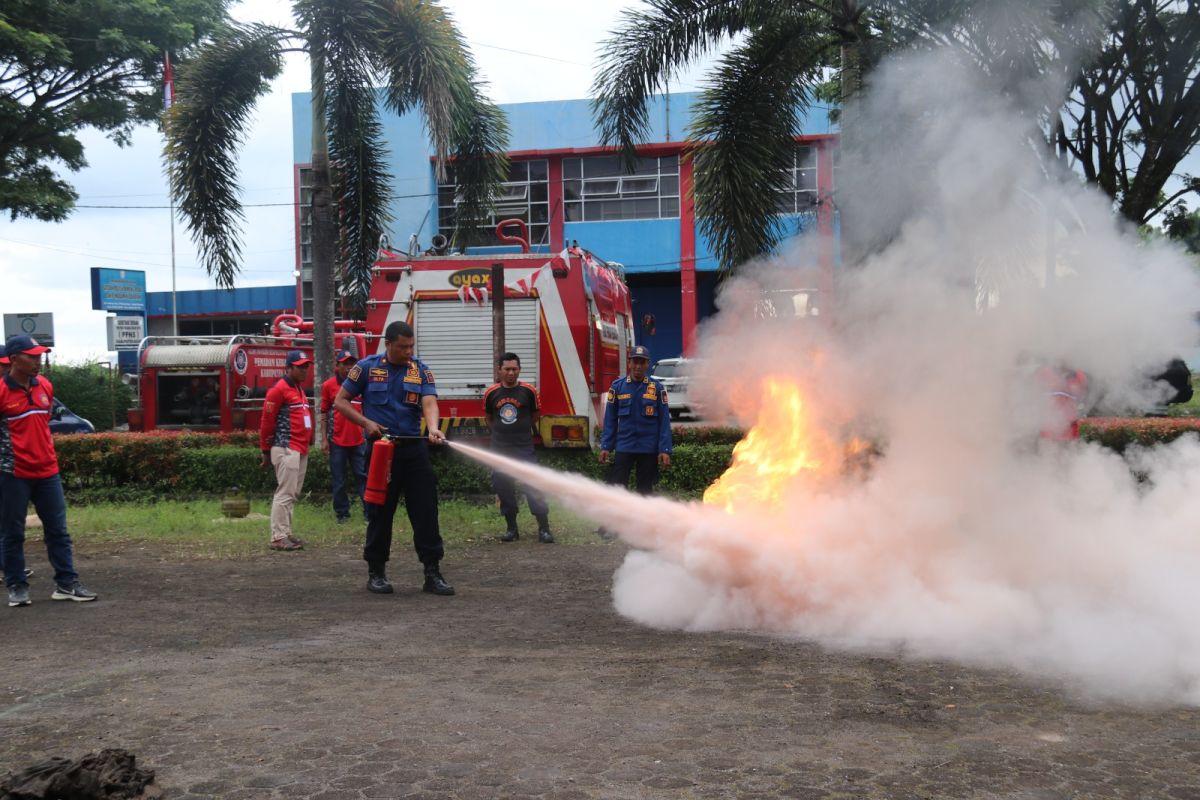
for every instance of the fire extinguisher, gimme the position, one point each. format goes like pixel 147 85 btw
pixel 379 473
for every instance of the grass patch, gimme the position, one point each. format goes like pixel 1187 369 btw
pixel 196 529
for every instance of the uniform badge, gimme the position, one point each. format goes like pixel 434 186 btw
pixel 429 376
pixel 649 411
pixel 411 397
pixel 508 413
pixel 355 371
pixel 612 395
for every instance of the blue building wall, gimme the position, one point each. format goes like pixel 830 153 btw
pixel 649 249
pixel 247 300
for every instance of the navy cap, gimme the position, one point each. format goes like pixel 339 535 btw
pixel 297 358
pixel 23 344
pixel 640 351
pixel 344 355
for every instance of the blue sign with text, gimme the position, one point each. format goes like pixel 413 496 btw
pixel 118 289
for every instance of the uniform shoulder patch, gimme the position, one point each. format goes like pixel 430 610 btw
pixel 355 373
pixel 429 376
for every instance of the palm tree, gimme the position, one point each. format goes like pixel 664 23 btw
pixel 781 56
pixel 411 49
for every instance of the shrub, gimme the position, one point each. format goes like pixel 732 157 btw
pixel 1119 433
pixel 91 391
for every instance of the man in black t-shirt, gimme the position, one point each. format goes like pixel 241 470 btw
pixel 512 410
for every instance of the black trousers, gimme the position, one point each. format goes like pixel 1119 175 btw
pixel 647 470
pixel 506 487
pixel 412 475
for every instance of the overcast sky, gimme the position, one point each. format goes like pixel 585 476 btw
pixel 526 50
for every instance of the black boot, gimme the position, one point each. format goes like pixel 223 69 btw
pixel 512 534
pixel 377 581
pixel 544 535
pixel 434 582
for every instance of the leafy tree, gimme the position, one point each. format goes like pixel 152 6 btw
pixel 92 392
pixel 66 66
pixel 1134 112
pixel 1183 226
pixel 409 47
pixel 784 54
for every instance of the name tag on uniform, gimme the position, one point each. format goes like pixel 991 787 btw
pixel 307 419
pixel 377 375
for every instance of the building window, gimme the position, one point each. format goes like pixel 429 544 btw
pixel 801 195
pixel 524 196
pixel 306 194
pixel 596 189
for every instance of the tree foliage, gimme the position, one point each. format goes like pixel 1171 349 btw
pixel 1134 112
pixel 92 392
pixel 67 66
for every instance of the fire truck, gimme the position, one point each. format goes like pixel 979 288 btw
pixel 217 383
pixel 567 315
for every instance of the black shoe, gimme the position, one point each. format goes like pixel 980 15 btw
pixel 436 584
pixel 510 535
pixel 606 534
pixel 378 583
pixel 545 537
pixel 343 520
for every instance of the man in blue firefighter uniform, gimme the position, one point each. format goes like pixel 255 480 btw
pixel 397 392
pixel 637 425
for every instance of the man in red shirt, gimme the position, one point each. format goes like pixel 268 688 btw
pixel 284 436
pixel 344 440
pixel 29 472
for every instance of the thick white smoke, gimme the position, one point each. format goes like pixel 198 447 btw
pixel 967 538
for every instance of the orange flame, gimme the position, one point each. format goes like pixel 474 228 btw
pixel 783 446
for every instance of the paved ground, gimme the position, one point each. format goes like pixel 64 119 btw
pixel 280 677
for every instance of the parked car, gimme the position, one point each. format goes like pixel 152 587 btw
pixel 63 420
pixel 674 374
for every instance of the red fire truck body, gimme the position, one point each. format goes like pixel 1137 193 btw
pixel 568 317
pixel 217 383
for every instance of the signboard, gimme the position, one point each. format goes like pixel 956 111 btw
pixel 125 333
pixel 118 289
pixel 39 326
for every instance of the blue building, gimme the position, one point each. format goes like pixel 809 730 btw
pixel 567 188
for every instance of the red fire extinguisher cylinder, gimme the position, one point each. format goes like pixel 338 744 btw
pixel 379 472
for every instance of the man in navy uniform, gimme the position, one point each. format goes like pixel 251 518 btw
pixel 637 425
pixel 398 391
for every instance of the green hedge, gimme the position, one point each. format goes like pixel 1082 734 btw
pixel 133 466
pixel 144 466
pixel 1120 433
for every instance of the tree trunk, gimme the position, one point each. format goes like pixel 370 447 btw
pixel 324 248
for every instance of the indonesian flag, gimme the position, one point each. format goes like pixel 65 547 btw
pixel 168 83
pixel 524 286
pixel 477 294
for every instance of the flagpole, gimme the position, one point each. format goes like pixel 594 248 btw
pixel 168 101
pixel 174 309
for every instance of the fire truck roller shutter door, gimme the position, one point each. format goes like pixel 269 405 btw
pixel 455 340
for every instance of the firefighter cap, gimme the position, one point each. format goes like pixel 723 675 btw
pixel 297 358
pixel 344 355
pixel 24 344
pixel 640 351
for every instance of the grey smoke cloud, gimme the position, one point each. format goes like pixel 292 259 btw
pixel 967 539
